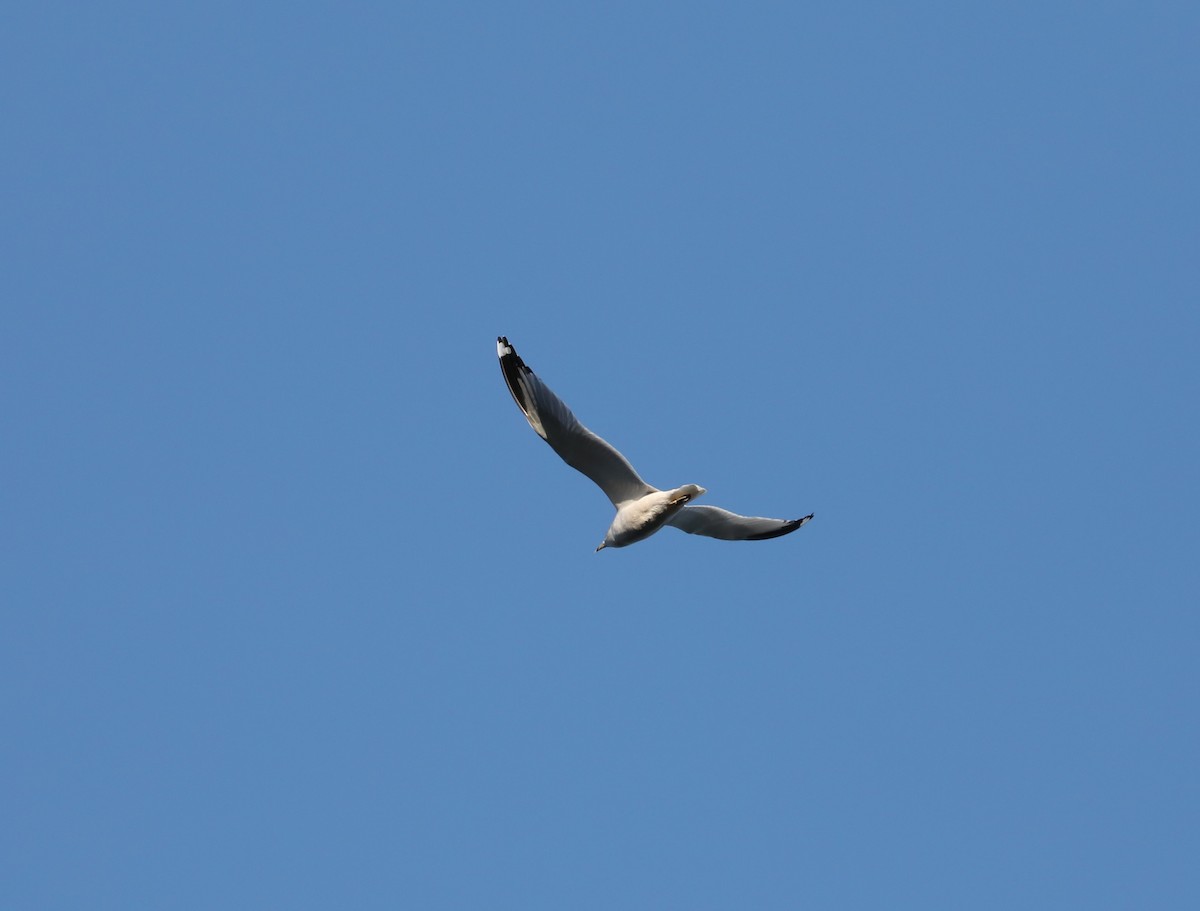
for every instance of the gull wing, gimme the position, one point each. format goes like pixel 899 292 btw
pixel 554 423
pixel 713 522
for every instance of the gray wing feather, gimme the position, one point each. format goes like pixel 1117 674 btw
pixel 714 522
pixel 553 421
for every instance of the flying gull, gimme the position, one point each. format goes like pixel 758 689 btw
pixel 641 509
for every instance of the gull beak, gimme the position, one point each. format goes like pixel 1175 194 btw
pixel 601 547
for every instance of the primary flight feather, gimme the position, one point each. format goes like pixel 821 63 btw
pixel 641 509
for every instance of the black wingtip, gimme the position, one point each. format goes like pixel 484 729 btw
pixel 786 529
pixel 512 367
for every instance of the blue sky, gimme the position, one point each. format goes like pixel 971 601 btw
pixel 299 613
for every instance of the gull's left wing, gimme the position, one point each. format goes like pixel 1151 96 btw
pixel 553 421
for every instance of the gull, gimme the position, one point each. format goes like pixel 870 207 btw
pixel 641 509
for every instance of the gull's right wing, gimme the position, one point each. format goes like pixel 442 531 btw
pixel 714 522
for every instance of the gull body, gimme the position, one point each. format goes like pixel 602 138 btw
pixel 641 509
pixel 638 519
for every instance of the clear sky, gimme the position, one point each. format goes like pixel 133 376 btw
pixel 299 613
